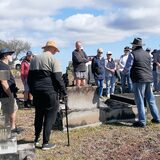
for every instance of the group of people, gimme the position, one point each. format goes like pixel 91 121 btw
pixel 44 82
pixel 135 67
pixel 102 69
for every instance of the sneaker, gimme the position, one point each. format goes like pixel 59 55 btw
pixel 139 124
pixel 37 142
pixel 155 121
pixel 108 95
pixel 17 130
pixel 48 146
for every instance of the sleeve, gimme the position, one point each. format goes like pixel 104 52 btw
pixel 114 64
pixel 129 63
pixel 57 78
pixel 106 65
pixel 93 66
pixel 30 77
pixel 23 70
pixel 86 57
pixel 120 62
pixel 77 58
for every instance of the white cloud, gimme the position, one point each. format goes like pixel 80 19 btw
pixel 35 20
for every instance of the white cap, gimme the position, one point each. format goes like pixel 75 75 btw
pixel 109 52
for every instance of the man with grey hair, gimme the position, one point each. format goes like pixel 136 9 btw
pixel 79 59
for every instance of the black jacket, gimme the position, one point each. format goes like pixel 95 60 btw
pixel 141 69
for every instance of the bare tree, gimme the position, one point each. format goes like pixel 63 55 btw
pixel 2 44
pixel 18 46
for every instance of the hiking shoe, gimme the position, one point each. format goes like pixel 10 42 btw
pixel 155 121
pixel 48 146
pixel 139 124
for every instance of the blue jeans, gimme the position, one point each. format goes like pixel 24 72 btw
pixel 110 84
pixel 126 78
pixel 142 90
pixel 99 83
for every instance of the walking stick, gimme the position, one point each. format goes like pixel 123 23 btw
pixel 66 110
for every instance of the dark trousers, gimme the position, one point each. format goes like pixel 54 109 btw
pixel 46 107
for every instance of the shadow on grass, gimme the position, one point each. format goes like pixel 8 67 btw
pixel 120 124
pixel 23 141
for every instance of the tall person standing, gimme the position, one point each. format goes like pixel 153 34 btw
pixel 45 82
pixel 98 70
pixel 125 77
pixel 79 59
pixel 110 68
pixel 139 63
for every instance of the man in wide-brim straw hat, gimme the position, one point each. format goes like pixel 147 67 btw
pixel 141 75
pixel 51 44
pixel 45 81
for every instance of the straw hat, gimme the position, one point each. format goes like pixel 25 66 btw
pixel 51 43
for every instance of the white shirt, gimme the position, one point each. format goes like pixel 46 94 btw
pixel 122 62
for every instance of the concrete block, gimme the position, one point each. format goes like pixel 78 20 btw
pixel 8 147
pixel 82 98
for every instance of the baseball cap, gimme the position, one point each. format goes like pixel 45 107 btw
pixel 29 53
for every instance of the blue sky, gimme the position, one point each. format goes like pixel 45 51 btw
pixel 109 25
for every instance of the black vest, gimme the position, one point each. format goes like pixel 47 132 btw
pixel 141 69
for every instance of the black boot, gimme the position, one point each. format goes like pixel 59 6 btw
pixel 30 102
pixel 26 104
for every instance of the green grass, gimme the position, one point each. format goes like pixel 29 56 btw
pixel 107 141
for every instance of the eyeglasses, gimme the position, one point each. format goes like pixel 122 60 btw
pixel 100 52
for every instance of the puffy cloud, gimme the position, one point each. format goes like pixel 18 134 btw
pixel 36 21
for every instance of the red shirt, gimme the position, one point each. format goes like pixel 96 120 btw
pixel 24 69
